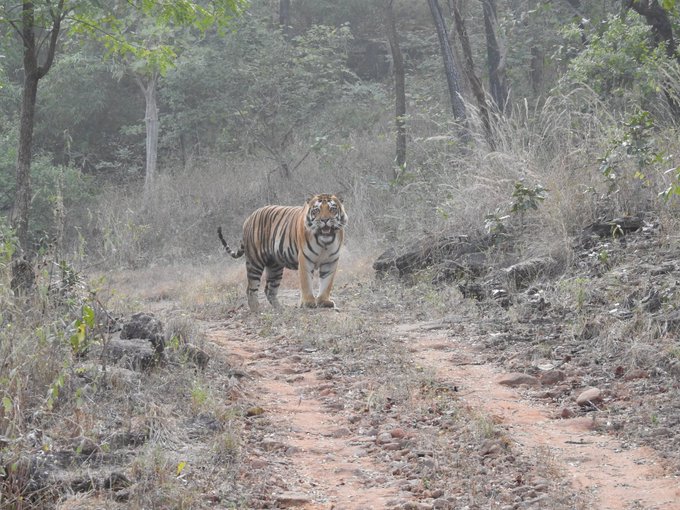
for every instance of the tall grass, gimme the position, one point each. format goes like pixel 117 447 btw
pixel 556 143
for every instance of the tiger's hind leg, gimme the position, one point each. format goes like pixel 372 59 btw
pixel 271 289
pixel 254 274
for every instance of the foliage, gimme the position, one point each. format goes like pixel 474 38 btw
pixel 50 181
pixel 526 199
pixel 86 126
pixel 258 93
pixel 632 153
pixel 112 27
pixel 619 58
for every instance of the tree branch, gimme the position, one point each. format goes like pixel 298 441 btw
pixel 57 17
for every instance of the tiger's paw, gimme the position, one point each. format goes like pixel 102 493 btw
pixel 307 304
pixel 325 303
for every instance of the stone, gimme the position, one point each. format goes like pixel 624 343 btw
pixel 146 326
pixel 566 413
pixel 636 373
pixel 196 355
pixel 398 433
pixel 515 379
pixel 384 438
pixel 292 500
pixel 522 274
pixel 552 377
pixel 589 397
pixel 134 354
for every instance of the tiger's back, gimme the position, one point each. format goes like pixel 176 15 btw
pixel 270 235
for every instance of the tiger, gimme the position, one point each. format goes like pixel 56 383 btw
pixel 305 238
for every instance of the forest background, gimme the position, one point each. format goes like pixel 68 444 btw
pixel 289 99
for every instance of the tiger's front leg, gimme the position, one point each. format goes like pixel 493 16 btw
pixel 305 272
pixel 326 277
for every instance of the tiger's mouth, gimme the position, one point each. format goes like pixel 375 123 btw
pixel 326 230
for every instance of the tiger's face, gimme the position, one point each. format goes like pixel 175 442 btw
pixel 325 215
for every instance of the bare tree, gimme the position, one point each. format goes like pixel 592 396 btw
pixel 284 17
pixel 152 125
pixel 399 84
pixel 449 63
pixel 495 56
pixel 469 67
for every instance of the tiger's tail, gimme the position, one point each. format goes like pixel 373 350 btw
pixel 235 255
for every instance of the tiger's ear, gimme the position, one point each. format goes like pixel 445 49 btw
pixel 340 199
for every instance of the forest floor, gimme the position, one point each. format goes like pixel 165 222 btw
pixel 422 418
pixel 407 396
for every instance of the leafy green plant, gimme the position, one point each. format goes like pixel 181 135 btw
pixel 603 258
pixel 526 199
pixel 199 396
pixel 634 145
pixel 81 330
pixel 673 190
pixel 619 60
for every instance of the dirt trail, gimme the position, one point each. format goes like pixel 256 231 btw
pixel 325 464
pixel 318 457
pixel 618 478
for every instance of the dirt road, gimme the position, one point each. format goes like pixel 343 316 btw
pixel 415 419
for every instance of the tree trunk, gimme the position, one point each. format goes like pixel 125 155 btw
pixel 284 17
pixel 33 72
pixel 152 129
pixel 495 57
pixel 399 86
pixel 475 82
pixel 22 199
pixel 457 104
pixel 536 69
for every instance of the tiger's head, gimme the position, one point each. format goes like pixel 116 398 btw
pixel 325 215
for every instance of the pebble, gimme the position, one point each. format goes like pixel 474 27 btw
pixel 552 377
pixel 292 499
pixel 636 373
pixel 589 397
pixel 392 447
pixel 341 432
pixel 384 438
pixel 515 379
pixel 398 433
pixel 566 413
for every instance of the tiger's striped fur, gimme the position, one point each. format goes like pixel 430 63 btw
pixel 306 238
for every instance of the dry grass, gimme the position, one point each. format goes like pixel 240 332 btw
pixel 556 143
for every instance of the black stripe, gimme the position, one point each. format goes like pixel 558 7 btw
pixel 308 259
pixel 310 247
